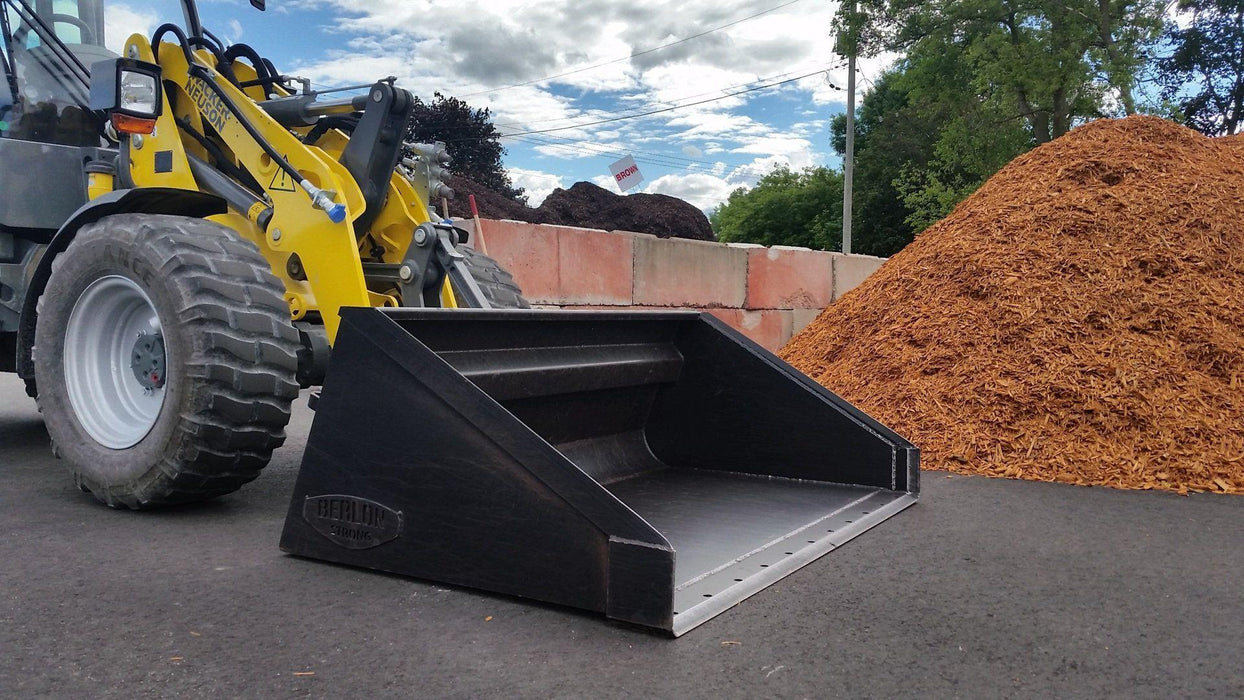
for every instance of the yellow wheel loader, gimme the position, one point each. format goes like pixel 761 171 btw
pixel 187 235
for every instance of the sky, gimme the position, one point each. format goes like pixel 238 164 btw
pixel 569 70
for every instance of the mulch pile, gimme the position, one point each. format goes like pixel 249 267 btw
pixel 1078 319
pixel 492 204
pixel 588 206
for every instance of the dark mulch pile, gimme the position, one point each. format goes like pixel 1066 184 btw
pixel 492 205
pixel 588 206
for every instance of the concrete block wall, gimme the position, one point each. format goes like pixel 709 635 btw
pixel 768 294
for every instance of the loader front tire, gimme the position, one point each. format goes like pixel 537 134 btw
pixel 494 281
pixel 165 360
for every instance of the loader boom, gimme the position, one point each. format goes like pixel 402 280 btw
pixel 208 117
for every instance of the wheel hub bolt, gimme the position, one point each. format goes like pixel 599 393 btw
pixel 148 362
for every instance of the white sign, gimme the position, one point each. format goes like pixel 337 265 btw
pixel 626 173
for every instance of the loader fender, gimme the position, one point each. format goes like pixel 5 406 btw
pixel 145 200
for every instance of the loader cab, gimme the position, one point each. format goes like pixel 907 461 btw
pixel 48 47
pixel 49 135
pixel 47 130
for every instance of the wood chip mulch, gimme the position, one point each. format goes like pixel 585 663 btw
pixel 1078 319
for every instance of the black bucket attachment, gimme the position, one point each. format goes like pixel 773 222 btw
pixel 656 467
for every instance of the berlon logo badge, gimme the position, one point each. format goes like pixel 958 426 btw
pixel 352 522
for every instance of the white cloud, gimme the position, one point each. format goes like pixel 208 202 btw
pixel 1182 18
pixel 776 144
pixel 703 190
pixel 537 184
pixel 433 45
pixel 764 164
pixel 121 21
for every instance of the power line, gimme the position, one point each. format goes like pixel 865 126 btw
pixel 670 109
pixel 671 160
pixel 860 72
pixel 635 55
pixel 651 105
pixel 839 64
pixel 583 151
pixel 673 102
pixel 665 109
pixel 662 164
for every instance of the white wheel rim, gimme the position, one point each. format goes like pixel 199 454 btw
pixel 111 405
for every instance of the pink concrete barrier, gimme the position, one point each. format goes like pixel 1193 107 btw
pixel 676 272
pixel 789 278
pixel 768 294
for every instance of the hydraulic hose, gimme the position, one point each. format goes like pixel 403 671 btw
pixel 322 200
pixel 182 41
pixel 245 51
pixel 222 163
pixel 220 45
pixel 225 68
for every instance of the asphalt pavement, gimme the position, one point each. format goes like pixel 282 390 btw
pixel 986 588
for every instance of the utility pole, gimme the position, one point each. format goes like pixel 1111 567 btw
pixel 848 168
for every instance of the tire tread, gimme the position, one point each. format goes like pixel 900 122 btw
pixel 494 281
pixel 241 369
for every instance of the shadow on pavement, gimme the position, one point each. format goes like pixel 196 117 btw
pixel 18 433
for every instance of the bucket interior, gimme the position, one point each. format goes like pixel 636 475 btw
pixel 663 414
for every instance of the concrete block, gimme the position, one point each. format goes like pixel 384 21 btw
pixel 769 328
pixel 675 272
pixel 731 317
pixel 636 233
pixel 530 253
pixel 784 277
pixel 473 237
pixel 800 318
pixel 851 270
pixel 596 268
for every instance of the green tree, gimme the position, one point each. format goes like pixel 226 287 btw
pixel 892 134
pixel 472 141
pixel 926 137
pixel 1204 75
pixel 981 81
pixel 785 208
pixel 974 137
pixel 1052 63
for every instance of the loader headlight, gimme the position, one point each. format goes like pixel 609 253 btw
pixel 129 91
pixel 140 93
